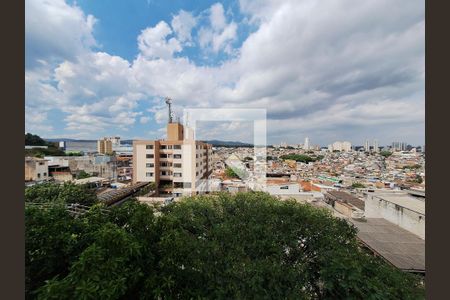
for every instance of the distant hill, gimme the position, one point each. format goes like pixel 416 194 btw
pixel 216 143
pixel 67 140
pixel 219 143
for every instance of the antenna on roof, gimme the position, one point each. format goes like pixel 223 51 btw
pixel 169 104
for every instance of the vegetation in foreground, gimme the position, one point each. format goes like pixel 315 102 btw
pixel 243 246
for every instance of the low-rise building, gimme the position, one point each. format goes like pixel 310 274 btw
pixel 398 207
pixel 36 169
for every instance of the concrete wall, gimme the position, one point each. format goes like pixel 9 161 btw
pixel 36 170
pixel 401 216
pixel 343 208
pixel 292 189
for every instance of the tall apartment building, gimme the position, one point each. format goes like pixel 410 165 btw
pixel 340 146
pixel 178 165
pixel 376 147
pixel 367 146
pixel 306 144
pixel 104 146
pixel 399 146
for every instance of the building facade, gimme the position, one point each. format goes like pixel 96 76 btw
pixel 36 169
pixel 340 146
pixel 104 146
pixel 178 165
pixel 306 144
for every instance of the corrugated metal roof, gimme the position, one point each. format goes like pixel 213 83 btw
pixel 398 246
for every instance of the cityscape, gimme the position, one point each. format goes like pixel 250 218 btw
pixel 181 170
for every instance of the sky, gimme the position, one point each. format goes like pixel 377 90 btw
pixel 328 70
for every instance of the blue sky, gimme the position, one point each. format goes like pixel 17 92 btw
pixel 329 70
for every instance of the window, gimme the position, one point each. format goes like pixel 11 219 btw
pixel 177 165
pixel 148 146
pixel 149 165
pixel 41 163
pixel 177 175
pixel 177 156
pixel 45 174
pixel 163 147
pixel 149 174
pixel 39 175
pixel 177 147
pixel 162 155
pixel 169 146
pixel 149 155
pixel 284 187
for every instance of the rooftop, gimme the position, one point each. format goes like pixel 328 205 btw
pixel 347 198
pixel 398 246
pixel 403 199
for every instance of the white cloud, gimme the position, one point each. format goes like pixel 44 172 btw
pixel 182 25
pixel 220 34
pixel 217 17
pixel 144 120
pixel 56 31
pixel 318 68
pixel 153 43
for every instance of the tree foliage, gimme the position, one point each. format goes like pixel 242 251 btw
pixel 243 246
pixel 229 172
pixel 358 185
pixel 34 140
pixel 83 174
pixel 386 154
pixel 299 158
pixel 62 193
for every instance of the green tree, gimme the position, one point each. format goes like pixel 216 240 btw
pixel 358 185
pixel 51 237
pixel 82 174
pixel 254 246
pixel 298 157
pixel 386 154
pixel 229 172
pixel 111 263
pixel 223 246
pixel 418 179
pixel 34 140
pixel 63 193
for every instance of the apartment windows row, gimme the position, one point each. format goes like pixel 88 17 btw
pixel 175 156
pixel 170 173
pixel 170 147
pixel 186 185
pixel 164 164
pixel 164 147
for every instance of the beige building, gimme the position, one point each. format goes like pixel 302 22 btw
pixel 178 165
pixel 104 146
pixel 36 169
